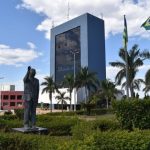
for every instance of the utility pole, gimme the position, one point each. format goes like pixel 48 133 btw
pixel 74 70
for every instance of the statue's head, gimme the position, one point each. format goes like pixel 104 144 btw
pixel 32 73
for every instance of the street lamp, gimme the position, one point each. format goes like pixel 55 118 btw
pixel 74 52
pixel 1 94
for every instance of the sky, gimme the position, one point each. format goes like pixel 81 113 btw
pixel 25 32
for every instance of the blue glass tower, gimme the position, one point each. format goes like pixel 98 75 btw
pixel 82 37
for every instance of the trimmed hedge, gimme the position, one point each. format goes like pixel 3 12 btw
pixel 85 128
pixel 118 140
pixel 101 111
pixel 133 113
pixel 97 111
pixel 58 125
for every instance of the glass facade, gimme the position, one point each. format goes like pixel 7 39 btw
pixel 67 52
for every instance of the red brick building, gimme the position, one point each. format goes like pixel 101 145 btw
pixel 11 100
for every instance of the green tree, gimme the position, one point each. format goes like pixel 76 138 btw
pixel 50 88
pixel 62 98
pixel 147 82
pixel 87 80
pixel 135 60
pixel 70 84
pixel 108 91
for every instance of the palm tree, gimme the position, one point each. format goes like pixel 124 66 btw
pixel 61 98
pixel 50 88
pixel 87 80
pixel 108 91
pixel 135 60
pixel 69 83
pixel 136 84
pixel 147 82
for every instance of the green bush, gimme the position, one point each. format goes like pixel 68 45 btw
pixel 72 113
pixel 82 129
pixel 118 140
pixel 133 113
pixel 58 125
pixel 105 125
pixel 7 125
pixel 101 111
pixel 17 142
pixel 85 128
pixel 8 117
pixel 19 113
pixel 7 113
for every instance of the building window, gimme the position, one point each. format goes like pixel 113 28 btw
pixel 19 97
pixel 5 104
pixel 12 103
pixel 5 97
pixel 66 45
pixel 19 104
pixel 12 97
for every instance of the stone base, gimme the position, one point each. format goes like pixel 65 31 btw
pixel 37 130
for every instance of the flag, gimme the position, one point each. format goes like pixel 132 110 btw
pixel 125 33
pixel 146 24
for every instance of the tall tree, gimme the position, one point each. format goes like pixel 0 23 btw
pixel 49 87
pixel 147 82
pixel 70 84
pixel 62 98
pixel 135 60
pixel 87 80
pixel 108 91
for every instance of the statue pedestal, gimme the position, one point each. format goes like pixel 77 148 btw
pixel 37 130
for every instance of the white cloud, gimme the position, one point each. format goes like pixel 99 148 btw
pixel 111 72
pixel 16 56
pixel 31 45
pixel 112 10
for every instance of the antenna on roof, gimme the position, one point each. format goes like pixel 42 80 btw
pixel 68 11
pixel 101 14
pixel 53 24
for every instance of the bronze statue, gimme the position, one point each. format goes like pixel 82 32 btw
pixel 31 94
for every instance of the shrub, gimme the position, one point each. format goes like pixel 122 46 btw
pixel 7 113
pixel 57 126
pixel 82 129
pixel 17 142
pixel 19 113
pixel 8 117
pixel 105 125
pixel 85 128
pixel 62 113
pixel 101 111
pixel 133 113
pixel 119 140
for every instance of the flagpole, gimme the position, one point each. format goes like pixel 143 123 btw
pixel 125 37
pixel 127 72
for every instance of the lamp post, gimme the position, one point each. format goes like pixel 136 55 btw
pixel 74 72
pixel 1 93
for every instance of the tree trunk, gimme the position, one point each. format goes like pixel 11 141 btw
pixel 62 105
pixel 107 103
pixel 131 91
pixel 70 103
pixel 50 97
pixel 86 95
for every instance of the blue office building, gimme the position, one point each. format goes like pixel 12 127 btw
pixel 78 43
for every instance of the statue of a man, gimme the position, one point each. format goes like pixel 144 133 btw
pixel 31 94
